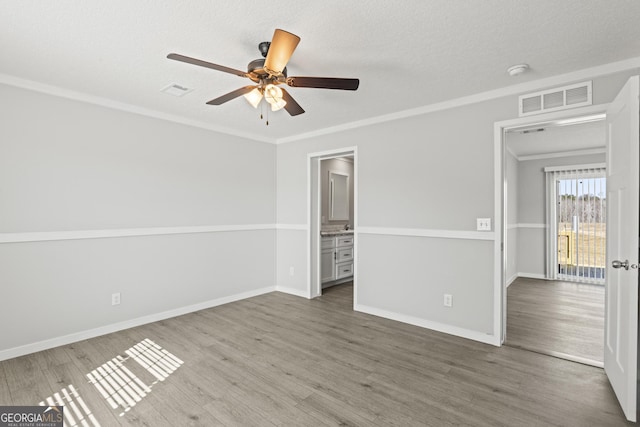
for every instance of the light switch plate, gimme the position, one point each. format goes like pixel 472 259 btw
pixel 483 224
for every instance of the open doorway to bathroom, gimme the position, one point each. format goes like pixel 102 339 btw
pixel 336 221
pixel 333 221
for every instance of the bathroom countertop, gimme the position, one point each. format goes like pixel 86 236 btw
pixel 336 233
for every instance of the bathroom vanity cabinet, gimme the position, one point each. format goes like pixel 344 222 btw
pixel 336 258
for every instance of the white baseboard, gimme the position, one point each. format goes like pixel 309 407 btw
pixel 293 291
pixel 512 279
pixel 532 276
pixel 115 327
pixel 436 326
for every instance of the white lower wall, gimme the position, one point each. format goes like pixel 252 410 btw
pixel 81 172
pixel 531 251
pixel 292 253
pixel 409 276
pixel 56 289
pixel 512 254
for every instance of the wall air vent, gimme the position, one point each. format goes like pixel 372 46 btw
pixel 561 98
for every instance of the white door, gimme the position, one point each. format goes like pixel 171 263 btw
pixel 621 296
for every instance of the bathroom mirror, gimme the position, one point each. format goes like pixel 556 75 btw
pixel 338 196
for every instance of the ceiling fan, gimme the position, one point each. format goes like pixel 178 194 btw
pixel 268 73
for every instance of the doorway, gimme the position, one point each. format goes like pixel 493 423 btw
pixel 623 192
pixel 333 218
pixel 555 239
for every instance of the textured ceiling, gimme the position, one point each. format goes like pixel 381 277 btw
pixel 558 139
pixel 407 54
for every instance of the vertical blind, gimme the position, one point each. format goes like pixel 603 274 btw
pixel 576 223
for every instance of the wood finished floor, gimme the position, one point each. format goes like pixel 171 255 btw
pixel 557 317
pixel 278 359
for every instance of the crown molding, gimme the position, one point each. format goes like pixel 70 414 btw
pixel 587 73
pixel 123 106
pixel 533 85
pixel 572 153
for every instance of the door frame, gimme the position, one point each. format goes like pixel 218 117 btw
pixel 500 201
pixel 314 284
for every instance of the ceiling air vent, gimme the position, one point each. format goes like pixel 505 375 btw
pixel 176 90
pixel 562 98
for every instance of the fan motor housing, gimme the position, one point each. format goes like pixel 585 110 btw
pixel 256 71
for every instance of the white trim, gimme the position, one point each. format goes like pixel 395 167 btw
pixel 544 119
pixel 525 225
pixel 302 227
pixel 587 73
pixel 510 151
pixel 500 244
pixel 533 276
pixel 44 236
pixel 561 79
pixel 115 327
pixel 528 225
pixel 572 153
pixel 422 232
pixel 525 276
pixel 575 167
pixel 324 155
pixel 499 129
pixel 428 324
pixel 122 106
pixel 292 291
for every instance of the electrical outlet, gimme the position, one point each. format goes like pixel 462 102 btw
pixel 483 224
pixel 115 298
pixel 291 271
pixel 448 300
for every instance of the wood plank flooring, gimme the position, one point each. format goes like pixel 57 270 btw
pixel 281 360
pixel 555 317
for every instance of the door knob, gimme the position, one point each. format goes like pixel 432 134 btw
pixel 620 264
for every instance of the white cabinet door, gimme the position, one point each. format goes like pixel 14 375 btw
pixel 327 265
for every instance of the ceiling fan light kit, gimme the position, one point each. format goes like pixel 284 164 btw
pixel 254 97
pixel 268 73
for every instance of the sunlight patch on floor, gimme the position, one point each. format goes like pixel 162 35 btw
pixel 120 387
pixel 79 413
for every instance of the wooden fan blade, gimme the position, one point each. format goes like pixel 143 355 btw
pixel 189 60
pixel 324 83
pixel 292 107
pixel 231 95
pixel 282 46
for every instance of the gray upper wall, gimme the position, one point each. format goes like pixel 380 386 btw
pixel 68 165
pixel 433 171
pixel 531 179
pixel 424 171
